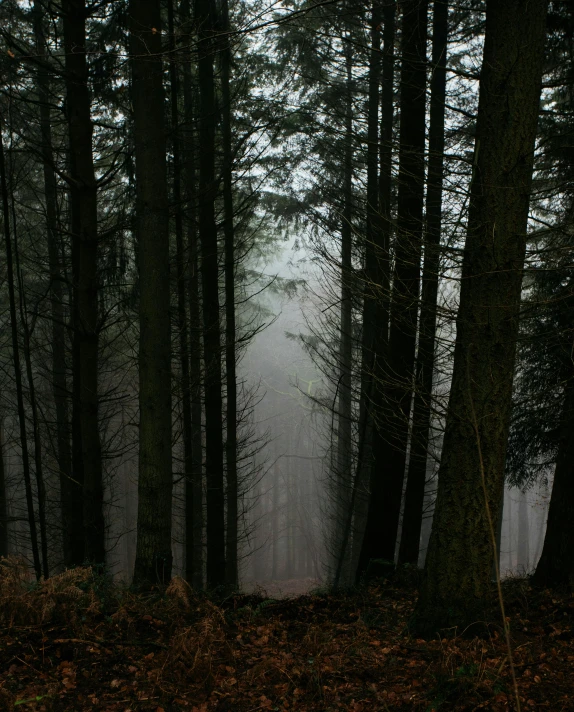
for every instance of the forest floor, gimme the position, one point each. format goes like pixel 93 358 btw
pixel 77 643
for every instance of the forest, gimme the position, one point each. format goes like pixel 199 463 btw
pixel 286 355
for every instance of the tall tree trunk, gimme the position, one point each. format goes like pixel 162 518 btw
pixel 70 493
pixel 471 475
pixel 205 17
pixel 87 455
pixel 193 487
pixel 376 310
pixel 344 456
pixel 413 513
pixel 397 376
pixel 182 274
pixel 153 555
pixel 232 489
pixel 16 359
pixel 374 332
pixel 556 565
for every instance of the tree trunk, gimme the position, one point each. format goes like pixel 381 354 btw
pixel 471 476
pixel 70 493
pixel 344 457
pixel 556 565
pixel 87 456
pixel 194 491
pixel 181 275
pixel 413 513
pixel 396 378
pixel 376 312
pixel 153 555
pixel 205 17
pixel 374 331
pixel 232 490
pixel 17 365
pixel 194 487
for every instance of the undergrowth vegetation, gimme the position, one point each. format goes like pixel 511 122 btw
pixel 79 642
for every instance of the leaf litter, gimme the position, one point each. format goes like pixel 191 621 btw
pixel 76 642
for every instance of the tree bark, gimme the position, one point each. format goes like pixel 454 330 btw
pixel 414 498
pixel 205 17
pixel 458 569
pixel 87 456
pixel 153 555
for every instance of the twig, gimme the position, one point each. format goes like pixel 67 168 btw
pixel 110 642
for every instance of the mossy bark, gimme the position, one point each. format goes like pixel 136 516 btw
pixel 458 569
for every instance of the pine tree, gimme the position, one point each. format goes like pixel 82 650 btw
pixel 470 480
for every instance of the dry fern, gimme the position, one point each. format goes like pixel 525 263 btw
pixel 59 598
pixel 179 590
pixel 198 649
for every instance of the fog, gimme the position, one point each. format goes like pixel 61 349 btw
pixel 286 500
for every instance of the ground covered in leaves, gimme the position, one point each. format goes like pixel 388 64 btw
pixel 77 643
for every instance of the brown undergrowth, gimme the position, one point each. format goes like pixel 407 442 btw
pixel 76 642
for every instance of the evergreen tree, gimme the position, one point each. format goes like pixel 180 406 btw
pixel 470 481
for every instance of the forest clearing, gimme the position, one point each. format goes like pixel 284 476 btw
pixel 73 645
